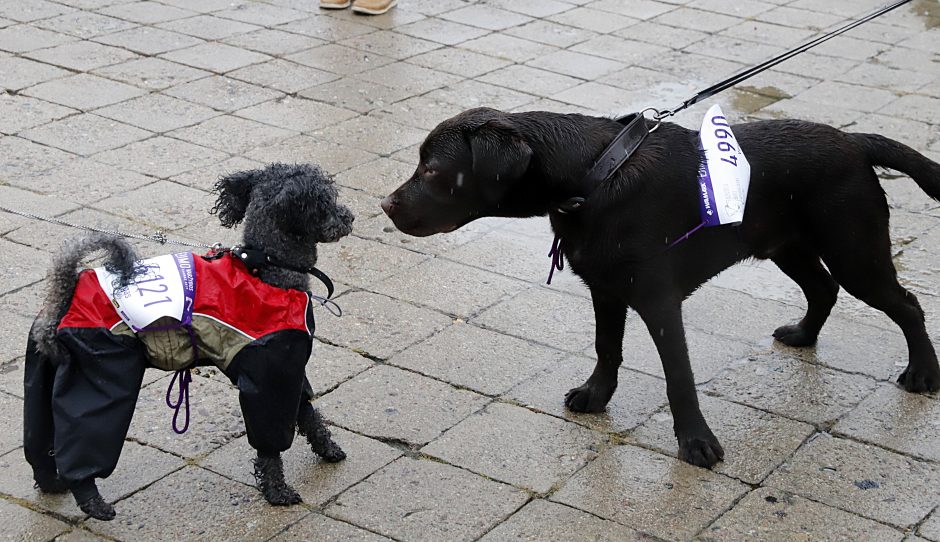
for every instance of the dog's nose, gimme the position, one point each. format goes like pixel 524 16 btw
pixel 388 205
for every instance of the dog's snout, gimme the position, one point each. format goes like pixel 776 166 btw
pixel 389 204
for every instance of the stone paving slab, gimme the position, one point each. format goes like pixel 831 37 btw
pixel 863 479
pixel 320 527
pixel 540 517
pixel 424 500
pixel 23 524
pixel 658 494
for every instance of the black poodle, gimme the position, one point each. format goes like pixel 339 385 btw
pixel 99 330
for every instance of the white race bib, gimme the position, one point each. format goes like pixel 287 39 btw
pixel 166 288
pixel 725 174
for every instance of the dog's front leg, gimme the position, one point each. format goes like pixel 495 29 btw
pixel 697 444
pixel 610 315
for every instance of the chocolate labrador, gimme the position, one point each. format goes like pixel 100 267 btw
pixel 814 198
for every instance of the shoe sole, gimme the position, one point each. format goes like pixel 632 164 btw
pixel 368 11
pixel 325 5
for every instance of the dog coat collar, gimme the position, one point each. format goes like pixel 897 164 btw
pixel 256 260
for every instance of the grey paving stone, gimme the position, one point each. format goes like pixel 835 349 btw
pixel 532 8
pixel 273 42
pixel 163 204
pixel 409 77
pixel 931 528
pixel 204 6
pixel 339 59
pixel 515 445
pixel 362 263
pixel 918 266
pixel 846 96
pixel 161 157
pixel 84 24
pixel 790 388
pixel 82 55
pixel 869 481
pixel 366 327
pixel 25 302
pixel 73 181
pixel 755 442
pixel 24 159
pixel 317 482
pixel 558 320
pixel 593 20
pixel 390 20
pixel 485 17
pixel 146 12
pixel 21 266
pixel 550 33
pixel 79 535
pixel 195 504
pixel 326 28
pixel 32 10
pixel 215 57
pixel 215 417
pixel 457 289
pixel 330 366
pixel 576 64
pixel 282 75
pixel 24 524
pixel 770 514
pixel 18 73
pixel 424 500
pixel 296 114
pixel 540 517
pixel 391 44
pixel 231 134
pixel 334 157
pixel 637 398
pixel 83 91
pixel 658 494
pixel 602 99
pixel 508 48
pixel 151 73
pixel 895 419
pixel 23 38
pixel 375 135
pixel 139 467
pixel 380 228
pixel 389 403
pixel 157 112
pixel 659 34
pixel 442 31
pixel 22 112
pixel 148 40
pixel 799 18
pixel 378 177
pixel 11 423
pixel 528 79
pixel 261 14
pixel 458 61
pixel 223 93
pixel 209 27
pixel 85 134
pixel 477 359
pixel 645 9
pixel 317 526
pixel 12 372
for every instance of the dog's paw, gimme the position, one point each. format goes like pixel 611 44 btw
pixel 281 495
pixel 794 335
pixel 97 508
pixel 332 453
pixel 588 397
pixel 701 450
pixel 920 380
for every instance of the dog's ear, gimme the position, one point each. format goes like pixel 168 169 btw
pixel 499 151
pixel 234 194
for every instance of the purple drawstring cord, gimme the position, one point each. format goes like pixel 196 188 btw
pixel 686 235
pixel 558 258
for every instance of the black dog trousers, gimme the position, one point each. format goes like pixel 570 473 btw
pixel 78 410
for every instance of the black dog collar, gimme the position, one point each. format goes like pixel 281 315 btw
pixel 616 153
pixel 256 260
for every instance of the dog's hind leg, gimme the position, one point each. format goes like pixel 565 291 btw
pixel 311 425
pixel 804 267
pixel 38 427
pixel 697 444
pixel 858 253
pixel 269 475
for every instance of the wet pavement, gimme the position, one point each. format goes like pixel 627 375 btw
pixel 444 379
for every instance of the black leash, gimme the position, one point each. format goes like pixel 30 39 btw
pixel 635 131
pixel 751 72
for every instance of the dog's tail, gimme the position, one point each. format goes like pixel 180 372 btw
pixel 121 260
pixel 886 152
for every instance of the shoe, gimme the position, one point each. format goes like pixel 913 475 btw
pixel 372 7
pixel 335 4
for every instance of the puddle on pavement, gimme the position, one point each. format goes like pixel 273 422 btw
pixel 929 10
pixel 749 102
pixel 770 92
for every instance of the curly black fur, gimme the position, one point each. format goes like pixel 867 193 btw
pixel 269 475
pixel 311 425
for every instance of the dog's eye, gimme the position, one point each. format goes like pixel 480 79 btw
pixel 429 171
